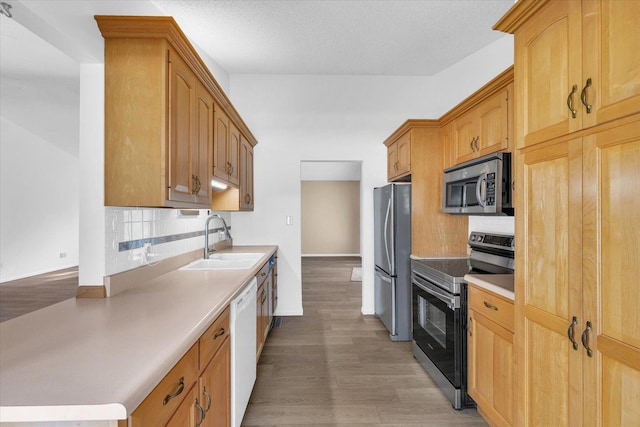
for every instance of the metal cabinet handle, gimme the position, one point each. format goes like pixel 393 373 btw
pixel 168 397
pixel 477 139
pixel 574 113
pixel 197 185
pixel 491 306
pixel 219 334
pixel 585 339
pixel 570 332
pixel 470 326
pixel 204 391
pixel 583 96
pixel 203 413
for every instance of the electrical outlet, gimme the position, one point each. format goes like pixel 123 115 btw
pixel 63 254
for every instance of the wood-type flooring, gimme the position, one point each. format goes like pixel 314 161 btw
pixel 22 296
pixel 335 367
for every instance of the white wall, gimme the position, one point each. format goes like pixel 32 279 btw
pixel 39 204
pixel 301 118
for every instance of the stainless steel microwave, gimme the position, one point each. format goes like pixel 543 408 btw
pixel 479 187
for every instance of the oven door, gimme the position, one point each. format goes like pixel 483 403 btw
pixel 438 327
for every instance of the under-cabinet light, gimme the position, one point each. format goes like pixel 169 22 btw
pixel 219 185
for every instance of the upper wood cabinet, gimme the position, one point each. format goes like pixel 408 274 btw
pixel 191 135
pixel 246 175
pixel 238 198
pixel 485 129
pixel 576 64
pixel 481 124
pixel 226 149
pixel 399 158
pixel 161 106
pixel 433 232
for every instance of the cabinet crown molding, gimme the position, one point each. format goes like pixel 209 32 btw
pixel 166 28
pixel 498 83
pixel 411 124
pixel 519 13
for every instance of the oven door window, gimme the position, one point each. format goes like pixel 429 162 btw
pixel 435 331
pixel 433 321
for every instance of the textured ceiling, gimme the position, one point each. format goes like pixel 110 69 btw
pixel 379 37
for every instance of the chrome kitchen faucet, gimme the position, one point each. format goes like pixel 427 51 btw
pixel 208 252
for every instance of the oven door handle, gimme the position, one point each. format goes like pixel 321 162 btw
pixel 447 299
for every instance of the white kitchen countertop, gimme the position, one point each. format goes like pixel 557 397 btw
pixel 501 284
pixel 98 358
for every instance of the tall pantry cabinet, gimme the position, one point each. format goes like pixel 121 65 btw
pixel 577 318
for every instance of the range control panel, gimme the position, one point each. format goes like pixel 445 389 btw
pixel 500 241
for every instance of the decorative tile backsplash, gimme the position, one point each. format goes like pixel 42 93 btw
pixel 167 231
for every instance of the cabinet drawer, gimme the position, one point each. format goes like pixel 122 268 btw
pixel 262 274
pixel 213 338
pixel 163 401
pixel 491 306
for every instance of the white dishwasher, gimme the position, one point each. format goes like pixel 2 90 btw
pixel 243 350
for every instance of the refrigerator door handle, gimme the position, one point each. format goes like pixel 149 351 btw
pixel 386 235
pixel 391 282
pixel 383 277
pixel 394 329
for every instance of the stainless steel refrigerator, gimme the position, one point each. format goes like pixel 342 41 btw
pixel 392 236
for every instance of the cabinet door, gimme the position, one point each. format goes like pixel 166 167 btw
pixel 493 124
pixel 404 154
pixel 446 136
pixel 181 101
pixel 215 389
pixel 610 276
pixel 274 286
pixel 259 320
pixel 246 175
pixel 464 137
pixel 547 66
pixel 233 152
pixel 220 144
pixel 490 373
pixel 188 414
pixel 392 161
pixel 548 284
pixel 202 145
pixel 611 42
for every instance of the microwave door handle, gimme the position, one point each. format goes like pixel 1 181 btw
pixel 479 197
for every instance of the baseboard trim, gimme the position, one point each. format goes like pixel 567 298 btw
pixel 84 291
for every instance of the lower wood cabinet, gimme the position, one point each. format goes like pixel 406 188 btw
pixel 266 302
pixel 189 413
pixel 161 404
pixel 214 386
pixel 490 355
pixel 197 390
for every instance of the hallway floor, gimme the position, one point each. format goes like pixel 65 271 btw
pixel 334 366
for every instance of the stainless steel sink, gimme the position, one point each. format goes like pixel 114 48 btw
pixel 225 261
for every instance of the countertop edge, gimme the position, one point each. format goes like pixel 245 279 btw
pixel 489 282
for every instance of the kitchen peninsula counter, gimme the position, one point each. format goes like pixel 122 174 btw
pixel 92 359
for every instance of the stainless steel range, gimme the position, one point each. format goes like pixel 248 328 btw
pixel 439 300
